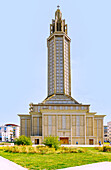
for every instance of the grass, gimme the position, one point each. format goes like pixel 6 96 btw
pixel 56 161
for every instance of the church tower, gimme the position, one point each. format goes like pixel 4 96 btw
pixel 58 43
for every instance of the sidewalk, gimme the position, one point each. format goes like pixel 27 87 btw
pixel 5 164
pixel 94 166
pixel 82 145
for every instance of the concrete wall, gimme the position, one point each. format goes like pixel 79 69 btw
pixel 79 127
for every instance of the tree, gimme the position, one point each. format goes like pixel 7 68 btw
pixel 23 140
pixel 52 142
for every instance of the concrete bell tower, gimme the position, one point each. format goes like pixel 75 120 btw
pixel 58 43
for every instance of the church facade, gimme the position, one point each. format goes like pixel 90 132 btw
pixel 60 114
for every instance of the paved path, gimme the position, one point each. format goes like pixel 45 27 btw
pixel 94 166
pixel 5 164
pixel 82 145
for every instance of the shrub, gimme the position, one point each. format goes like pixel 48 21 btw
pixel 31 149
pixel 7 148
pixel 15 149
pixel 106 149
pixel 23 140
pixel 2 148
pixel 69 150
pixel 2 143
pixel 52 142
pixel 40 146
pixel 42 150
pixel 80 150
pixel 72 150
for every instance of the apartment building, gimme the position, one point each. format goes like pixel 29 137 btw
pixel 9 132
pixel 106 134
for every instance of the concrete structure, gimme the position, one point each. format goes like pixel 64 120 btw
pixel 106 134
pixel 6 164
pixel 8 132
pixel 93 166
pixel 60 114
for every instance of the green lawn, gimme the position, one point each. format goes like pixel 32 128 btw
pixel 56 161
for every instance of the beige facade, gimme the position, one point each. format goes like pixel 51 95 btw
pixel 76 125
pixel 59 114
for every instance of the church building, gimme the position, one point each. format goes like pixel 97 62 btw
pixel 59 114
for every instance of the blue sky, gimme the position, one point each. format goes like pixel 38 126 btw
pixel 24 28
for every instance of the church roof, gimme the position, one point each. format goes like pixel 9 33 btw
pixel 59 99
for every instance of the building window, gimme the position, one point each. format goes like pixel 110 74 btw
pixel 55 107
pixel 38 108
pixel 77 108
pixel 50 125
pixel 63 122
pixel 38 126
pixel 71 107
pixel 25 127
pixel 82 107
pixel 61 107
pixel 87 126
pixel 5 129
pixel 66 107
pixel 50 107
pixel 77 125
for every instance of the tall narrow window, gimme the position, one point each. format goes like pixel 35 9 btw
pixel 58 26
pixel 50 125
pixel 97 128
pixel 87 126
pixel 38 126
pixel 38 108
pixel 63 122
pixel 25 127
pixel 77 125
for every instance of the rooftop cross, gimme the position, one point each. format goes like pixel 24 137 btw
pixel 58 6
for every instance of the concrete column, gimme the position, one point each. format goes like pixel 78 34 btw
pixel 54 65
pixel 93 126
pixel 57 125
pixel 71 128
pixel 42 126
pixel 103 130
pixel 20 126
pixel 32 127
pixel 85 128
pixel 38 126
pixel 97 132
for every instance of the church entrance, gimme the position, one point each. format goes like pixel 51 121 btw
pixel 37 141
pixel 64 140
pixel 90 141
